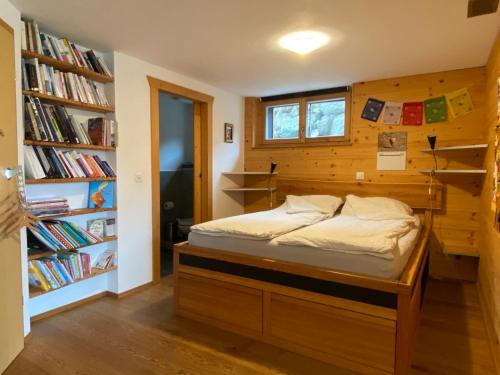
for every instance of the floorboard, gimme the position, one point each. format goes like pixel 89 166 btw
pixel 139 335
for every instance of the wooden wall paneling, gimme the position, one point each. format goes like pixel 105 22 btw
pixel 339 163
pixel 489 239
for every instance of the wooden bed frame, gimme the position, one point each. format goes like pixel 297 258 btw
pixel 362 323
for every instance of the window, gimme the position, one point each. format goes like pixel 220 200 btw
pixel 305 120
pixel 282 121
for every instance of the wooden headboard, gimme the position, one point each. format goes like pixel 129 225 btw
pixel 416 195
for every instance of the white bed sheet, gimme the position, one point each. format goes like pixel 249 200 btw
pixel 364 264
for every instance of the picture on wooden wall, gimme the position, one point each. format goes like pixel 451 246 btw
pixel 392 113
pixel 392 141
pixel 460 102
pixel 412 113
pixel 435 110
pixel 228 132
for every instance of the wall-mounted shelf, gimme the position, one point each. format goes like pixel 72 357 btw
pixel 70 103
pixel 454 171
pixel 77 212
pixel 462 251
pixel 34 181
pixel 68 145
pixel 95 272
pixel 249 189
pixel 457 148
pixel 67 67
pixel 249 173
pixel 49 252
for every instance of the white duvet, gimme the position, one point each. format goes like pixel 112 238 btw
pixel 263 225
pixel 350 234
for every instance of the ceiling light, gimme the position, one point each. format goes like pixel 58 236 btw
pixel 303 42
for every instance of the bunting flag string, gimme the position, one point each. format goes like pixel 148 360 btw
pixel 456 103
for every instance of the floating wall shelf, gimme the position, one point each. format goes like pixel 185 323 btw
pixel 454 171
pixel 462 147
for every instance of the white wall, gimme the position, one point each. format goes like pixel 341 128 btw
pixel 132 101
pixel 12 17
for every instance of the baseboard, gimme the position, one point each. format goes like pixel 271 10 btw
pixel 490 328
pixel 127 293
pixel 67 307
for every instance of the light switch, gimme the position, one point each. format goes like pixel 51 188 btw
pixel 138 177
pixel 360 176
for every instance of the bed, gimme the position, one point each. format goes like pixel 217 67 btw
pixel 307 304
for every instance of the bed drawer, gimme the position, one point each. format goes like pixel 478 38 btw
pixel 343 336
pixel 223 304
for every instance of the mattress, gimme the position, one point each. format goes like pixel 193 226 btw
pixel 363 264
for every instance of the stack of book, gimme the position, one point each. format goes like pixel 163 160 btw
pixel 43 162
pixel 47 80
pixel 54 272
pixel 43 122
pixel 47 207
pixel 60 48
pixel 102 131
pixel 60 235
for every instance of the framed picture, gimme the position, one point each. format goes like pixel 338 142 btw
pixel 228 133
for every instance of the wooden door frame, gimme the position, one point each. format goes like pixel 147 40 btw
pixel 203 110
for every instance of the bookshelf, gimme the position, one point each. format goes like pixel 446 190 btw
pixel 95 272
pixel 67 67
pixel 69 103
pixel 33 181
pixel 80 146
pixel 75 190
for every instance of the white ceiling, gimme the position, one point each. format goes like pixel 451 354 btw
pixel 231 43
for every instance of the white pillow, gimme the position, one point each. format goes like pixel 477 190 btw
pixel 376 208
pixel 326 204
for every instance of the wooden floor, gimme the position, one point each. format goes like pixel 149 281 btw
pixel 139 335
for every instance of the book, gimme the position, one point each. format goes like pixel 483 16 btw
pixel 110 226
pixel 97 227
pixel 101 194
pixel 435 110
pixel 460 102
pixel 372 110
pixel 392 113
pixel 412 113
pixel 105 260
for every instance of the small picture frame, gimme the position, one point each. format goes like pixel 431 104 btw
pixel 228 133
pixel 97 227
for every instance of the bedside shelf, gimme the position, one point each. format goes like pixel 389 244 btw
pixel 95 272
pixel 462 251
pixel 29 142
pixel 454 171
pixel 248 189
pixel 249 173
pixel 457 148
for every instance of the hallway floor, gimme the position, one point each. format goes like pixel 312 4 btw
pixel 139 335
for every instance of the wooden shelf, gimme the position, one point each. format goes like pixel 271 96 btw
pixel 77 212
pixel 249 173
pixel 60 251
pixel 457 148
pixel 95 272
pixel 68 145
pixel 454 171
pixel 249 189
pixel 462 251
pixel 34 181
pixel 70 103
pixel 67 67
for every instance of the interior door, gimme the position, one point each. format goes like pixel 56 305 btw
pixel 11 300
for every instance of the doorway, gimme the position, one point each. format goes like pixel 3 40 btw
pixel 176 174
pixel 202 106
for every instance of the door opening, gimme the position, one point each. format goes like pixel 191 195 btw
pixel 176 174
pixel 202 106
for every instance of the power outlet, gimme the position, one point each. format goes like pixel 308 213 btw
pixel 138 177
pixel 360 176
